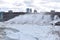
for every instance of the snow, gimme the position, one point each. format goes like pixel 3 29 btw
pixel 31 27
pixel 55 21
pixel 31 19
pixel 33 32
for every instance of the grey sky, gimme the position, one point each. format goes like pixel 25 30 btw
pixel 45 5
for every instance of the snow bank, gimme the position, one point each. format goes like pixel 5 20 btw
pixel 32 27
pixel 31 19
pixel 34 32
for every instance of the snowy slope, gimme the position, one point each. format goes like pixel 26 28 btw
pixel 32 27
pixel 33 32
pixel 31 19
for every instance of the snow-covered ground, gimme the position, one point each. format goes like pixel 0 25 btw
pixel 31 27
pixel 31 19
pixel 33 32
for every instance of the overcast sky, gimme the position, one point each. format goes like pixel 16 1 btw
pixel 21 5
